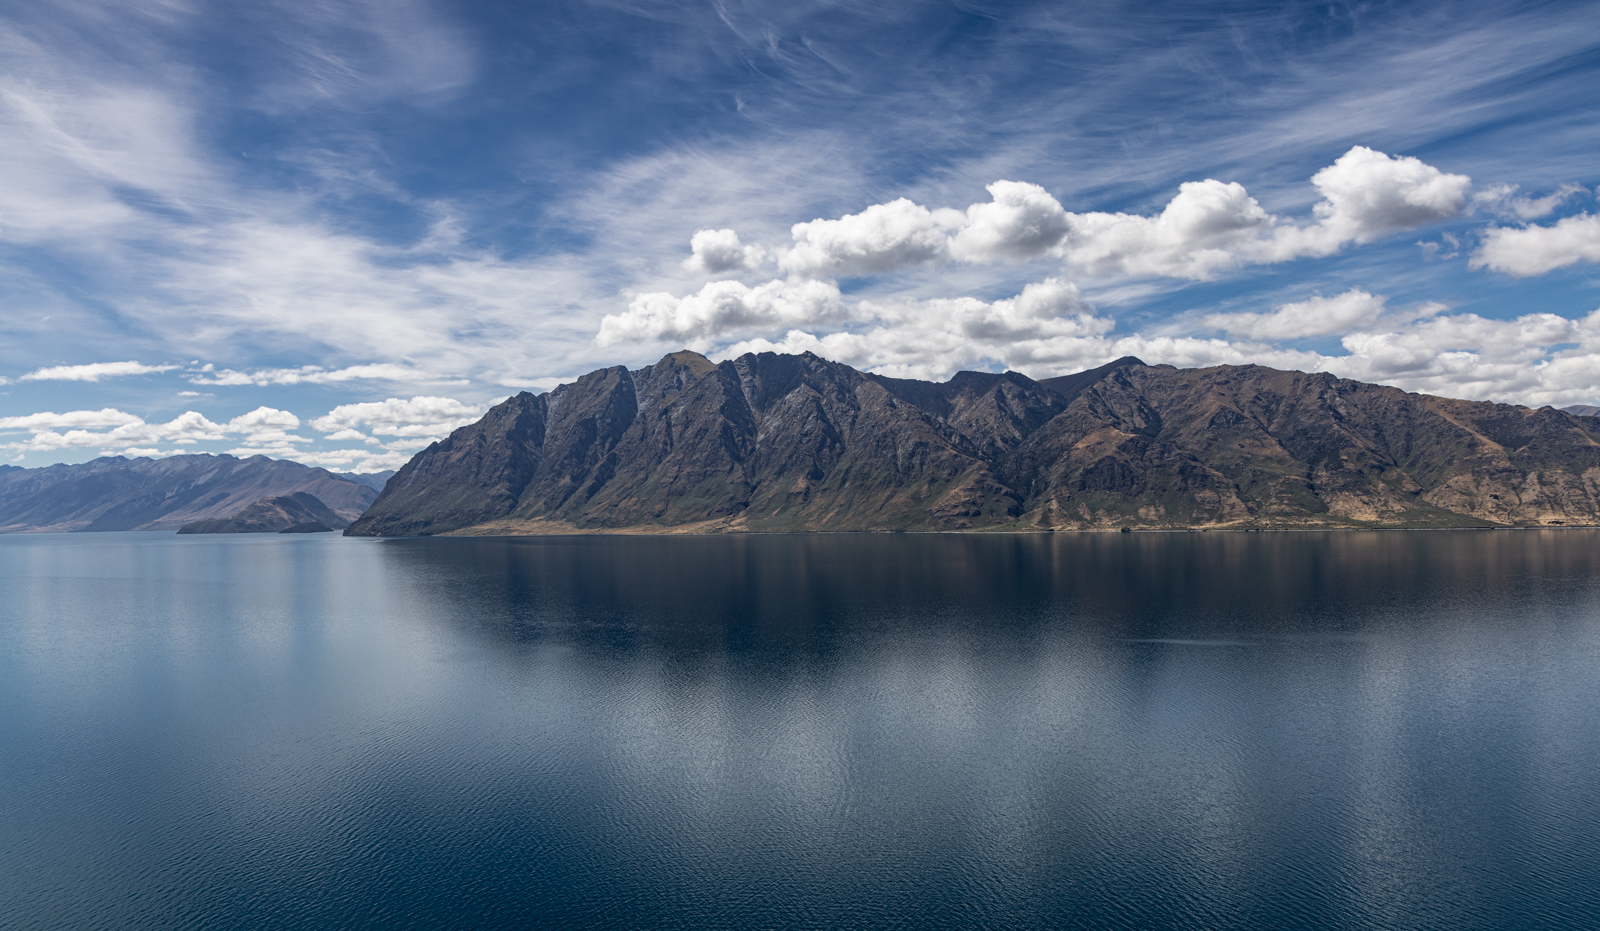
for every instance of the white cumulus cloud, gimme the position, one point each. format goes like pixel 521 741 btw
pixel 72 430
pixel 267 426
pixel 1022 221
pixel 1536 359
pixel 47 420
pixel 1534 250
pixel 927 339
pixel 264 431
pixel 1209 226
pixel 419 417
pixel 881 238
pixel 721 308
pixel 1317 316
pixel 1528 360
pixel 718 251
pixel 264 427
pixel 347 460
pixel 1367 193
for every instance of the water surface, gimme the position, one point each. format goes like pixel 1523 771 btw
pixel 1320 730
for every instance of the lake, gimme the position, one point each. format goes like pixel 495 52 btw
pixel 1358 730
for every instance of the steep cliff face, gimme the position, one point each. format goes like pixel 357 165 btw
pixel 765 442
pixel 770 442
pixel 477 474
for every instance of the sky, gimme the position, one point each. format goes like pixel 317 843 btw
pixel 333 231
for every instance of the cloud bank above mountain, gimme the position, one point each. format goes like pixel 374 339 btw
pixel 1209 228
pixel 212 209
pixel 409 424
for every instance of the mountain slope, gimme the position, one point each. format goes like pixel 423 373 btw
pixel 296 513
pixel 373 480
pixel 115 493
pixel 772 442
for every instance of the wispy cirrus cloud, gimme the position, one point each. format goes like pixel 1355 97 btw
pixel 1503 200
pixel 317 375
pixel 113 161
pixel 94 371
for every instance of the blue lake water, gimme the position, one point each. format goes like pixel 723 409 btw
pixel 1319 730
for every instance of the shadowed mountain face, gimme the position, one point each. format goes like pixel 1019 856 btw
pixel 296 513
pixel 115 493
pixel 774 443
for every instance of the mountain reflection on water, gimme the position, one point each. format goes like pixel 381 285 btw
pixel 1319 730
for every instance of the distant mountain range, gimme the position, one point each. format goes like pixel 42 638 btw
pixel 116 493
pixel 790 443
pixel 795 443
pixel 300 512
pixel 373 480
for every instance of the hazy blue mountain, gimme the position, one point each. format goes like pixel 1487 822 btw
pixel 116 493
pixel 1583 410
pixel 373 480
pixel 300 512
pixel 778 442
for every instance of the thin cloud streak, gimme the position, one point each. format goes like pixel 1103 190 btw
pixel 94 371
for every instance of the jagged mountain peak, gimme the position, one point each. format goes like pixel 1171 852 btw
pixel 768 441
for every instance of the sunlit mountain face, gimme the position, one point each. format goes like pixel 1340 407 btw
pixel 335 233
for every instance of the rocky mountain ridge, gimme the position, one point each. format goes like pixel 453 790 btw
pixel 797 443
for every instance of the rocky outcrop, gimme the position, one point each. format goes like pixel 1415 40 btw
pixel 115 493
pixel 296 513
pixel 771 442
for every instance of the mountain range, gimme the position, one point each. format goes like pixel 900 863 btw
pixel 373 480
pixel 116 493
pixel 300 512
pixel 770 442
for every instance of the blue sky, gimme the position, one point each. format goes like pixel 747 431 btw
pixel 333 231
